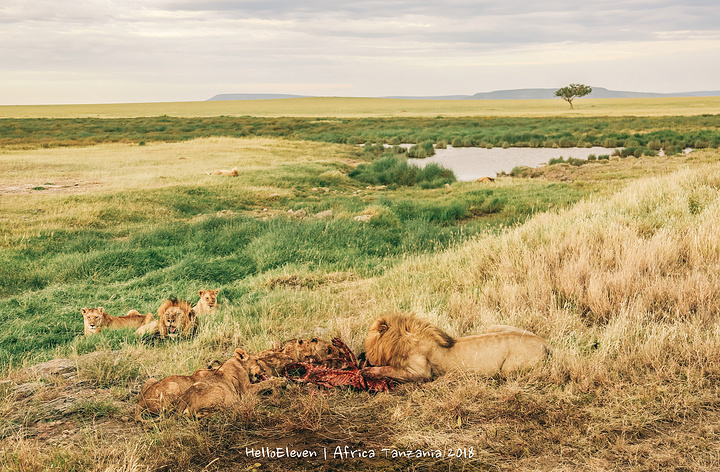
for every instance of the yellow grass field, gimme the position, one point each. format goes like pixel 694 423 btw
pixel 368 107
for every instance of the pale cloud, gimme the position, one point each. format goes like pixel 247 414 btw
pixel 163 50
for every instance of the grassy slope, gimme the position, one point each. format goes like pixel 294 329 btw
pixel 624 287
pixel 124 226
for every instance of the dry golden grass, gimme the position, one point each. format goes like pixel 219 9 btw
pixel 374 107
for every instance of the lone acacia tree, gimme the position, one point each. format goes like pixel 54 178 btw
pixel 573 91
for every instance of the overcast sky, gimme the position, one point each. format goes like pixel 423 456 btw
pixel 105 51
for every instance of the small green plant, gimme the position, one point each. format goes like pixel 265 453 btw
pixel 93 409
pixel 107 369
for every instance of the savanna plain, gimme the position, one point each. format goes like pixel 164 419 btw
pixel 614 261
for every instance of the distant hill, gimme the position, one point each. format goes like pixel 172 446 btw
pixel 515 94
pixel 543 93
pixel 252 96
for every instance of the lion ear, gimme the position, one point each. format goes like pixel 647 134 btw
pixel 216 291
pixel 200 292
pixel 84 310
pixel 314 340
pixel 382 327
pixel 101 309
pixel 241 354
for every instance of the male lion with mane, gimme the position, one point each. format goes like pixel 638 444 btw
pixel 96 319
pixel 176 318
pixel 408 349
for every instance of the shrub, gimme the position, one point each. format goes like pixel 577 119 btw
pixel 391 170
pixel 610 143
pixel 422 150
pixel 567 141
pixel 654 144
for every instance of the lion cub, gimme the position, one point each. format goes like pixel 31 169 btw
pixel 157 395
pixel 207 303
pixel 95 319
pixel 273 361
pixel 224 387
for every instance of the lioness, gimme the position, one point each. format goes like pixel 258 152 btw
pixel 207 303
pixel 315 349
pixel 406 348
pixel 273 361
pixel 176 318
pixel 227 173
pixel 158 395
pixel 95 319
pixel 223 388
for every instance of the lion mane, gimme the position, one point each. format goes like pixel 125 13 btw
pixel 97 319
pixel 406 348
pixel 176 318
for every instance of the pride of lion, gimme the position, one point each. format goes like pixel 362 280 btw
pixel 399 347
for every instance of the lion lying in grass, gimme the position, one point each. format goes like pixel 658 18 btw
pixel 227 173
pixel 96 319
pixel 207 303
pixel 176 318
pixel 157 395
pixel 405 348
pixel 224 387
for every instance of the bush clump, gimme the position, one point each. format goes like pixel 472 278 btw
pixel 422 150
pixel 390 170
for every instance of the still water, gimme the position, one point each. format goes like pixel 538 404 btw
pixel 473 163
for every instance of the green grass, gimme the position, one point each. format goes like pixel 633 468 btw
pixel 60 272
pixel 698 131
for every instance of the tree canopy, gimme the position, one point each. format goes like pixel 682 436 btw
pixel 573 91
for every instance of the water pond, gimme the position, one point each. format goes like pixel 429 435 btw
pixel 472 163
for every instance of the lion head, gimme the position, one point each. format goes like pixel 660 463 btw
pixel 94 319
pixel 207 302
pixel 251 365
pixel 176 318
pixel 396 336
